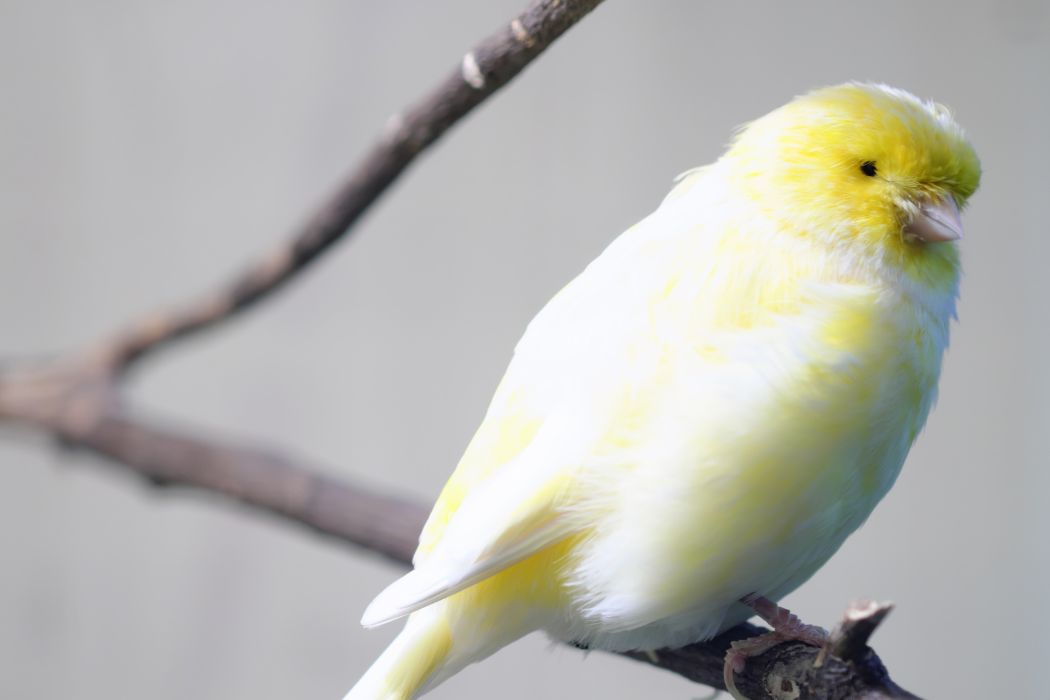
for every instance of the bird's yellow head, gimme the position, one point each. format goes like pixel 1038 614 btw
pixel 866 167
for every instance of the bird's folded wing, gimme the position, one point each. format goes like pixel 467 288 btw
pixel 500 524
pixel 513 493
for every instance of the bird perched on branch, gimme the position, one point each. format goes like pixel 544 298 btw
pixel 695 424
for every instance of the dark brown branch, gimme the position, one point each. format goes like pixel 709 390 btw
pixel 482 71
pixel 265 480
pixel 850 638
pixel 845 668
pixel 277 485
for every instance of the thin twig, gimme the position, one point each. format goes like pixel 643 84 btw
pixel 850 638
pixel 483 70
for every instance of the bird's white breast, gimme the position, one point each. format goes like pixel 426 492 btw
pixel 735 455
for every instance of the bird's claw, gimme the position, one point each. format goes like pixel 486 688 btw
pixel 786 627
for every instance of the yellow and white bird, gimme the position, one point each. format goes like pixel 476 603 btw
pixel 704 414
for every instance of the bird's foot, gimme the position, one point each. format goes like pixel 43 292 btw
pixel 786 627
pixel 785 623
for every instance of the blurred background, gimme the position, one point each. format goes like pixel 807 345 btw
pixel 148 149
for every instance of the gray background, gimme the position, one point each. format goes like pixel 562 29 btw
pixel 148 148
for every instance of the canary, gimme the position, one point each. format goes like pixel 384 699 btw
pixel 694 425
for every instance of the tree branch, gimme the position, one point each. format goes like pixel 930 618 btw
pixel 486 68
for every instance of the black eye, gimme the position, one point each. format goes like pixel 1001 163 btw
pixel 868 168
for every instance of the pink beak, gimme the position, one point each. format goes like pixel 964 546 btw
pixel 936 222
